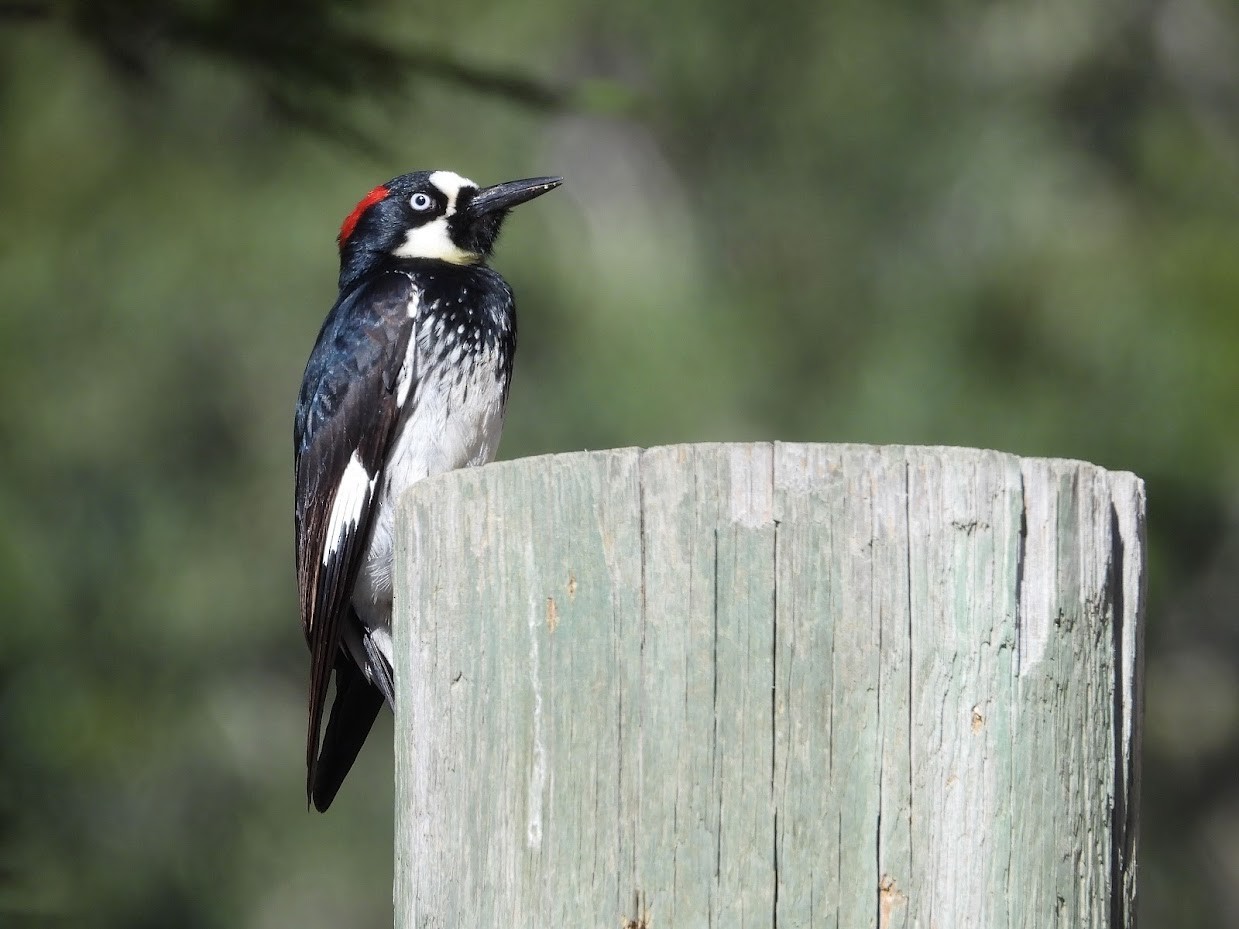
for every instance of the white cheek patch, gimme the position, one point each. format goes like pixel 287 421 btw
pixel 449 184
pixel 352 495
pixel 433 241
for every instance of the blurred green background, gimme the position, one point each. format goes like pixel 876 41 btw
pixel 1003 224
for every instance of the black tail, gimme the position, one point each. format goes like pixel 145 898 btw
pixel 356 706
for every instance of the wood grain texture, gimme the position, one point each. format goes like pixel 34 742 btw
pixel 769 685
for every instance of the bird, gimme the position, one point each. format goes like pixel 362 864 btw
pixel 408 378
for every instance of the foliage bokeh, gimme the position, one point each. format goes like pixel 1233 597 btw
pixel 1009 225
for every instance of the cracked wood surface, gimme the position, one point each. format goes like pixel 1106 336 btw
pixel 769 685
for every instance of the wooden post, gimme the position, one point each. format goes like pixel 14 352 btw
pixel 769 685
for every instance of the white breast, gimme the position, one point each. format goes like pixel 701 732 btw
pixel 453 420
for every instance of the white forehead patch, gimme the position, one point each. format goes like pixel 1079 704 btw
pixel 449 184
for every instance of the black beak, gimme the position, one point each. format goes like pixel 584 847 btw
pixel 509 194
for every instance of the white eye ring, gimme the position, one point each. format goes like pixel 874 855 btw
pixel 421 202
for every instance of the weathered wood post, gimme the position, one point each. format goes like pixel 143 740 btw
pixel 760 685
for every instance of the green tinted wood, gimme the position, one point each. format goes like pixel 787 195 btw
pixel 735 685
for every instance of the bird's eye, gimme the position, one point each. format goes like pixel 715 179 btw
pixel 421 202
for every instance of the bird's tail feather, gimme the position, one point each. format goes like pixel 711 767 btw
pixel 378 666
pixel 357 704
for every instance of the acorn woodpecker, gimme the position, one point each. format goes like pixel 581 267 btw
pixel 408 378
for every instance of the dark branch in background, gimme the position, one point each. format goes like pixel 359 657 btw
pixel 26 11
pixel 488 81
pixel 308 60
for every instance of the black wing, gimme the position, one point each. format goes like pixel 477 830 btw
pixel 347 413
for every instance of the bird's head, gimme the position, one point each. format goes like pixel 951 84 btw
pixel 435 215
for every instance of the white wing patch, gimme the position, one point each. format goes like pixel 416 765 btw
pixel 404 379
pixel 352 495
